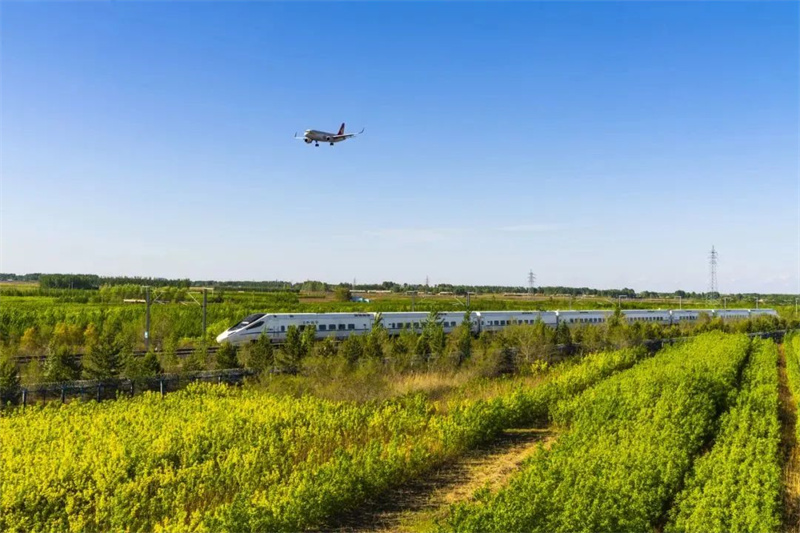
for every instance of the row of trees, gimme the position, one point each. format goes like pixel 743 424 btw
pixel 518 348
pixel 93 281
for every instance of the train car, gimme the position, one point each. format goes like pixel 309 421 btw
pixel 342 325
pixel 577 318
pixel 451 320
pixel 731 314
pixel 246 321
pixel 690 316
pixel 498 320
pixel 337 325
pixel 395 322
pixel 763 312
pixel 647 316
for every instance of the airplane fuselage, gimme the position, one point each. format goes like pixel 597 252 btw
pixel 317 136
pixel 321 136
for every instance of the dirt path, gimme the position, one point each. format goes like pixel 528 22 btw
pixel 789 448
pixel 413 507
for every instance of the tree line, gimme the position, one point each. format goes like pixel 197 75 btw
pixel 95 282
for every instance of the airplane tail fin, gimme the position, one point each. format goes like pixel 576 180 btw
pixel 341 129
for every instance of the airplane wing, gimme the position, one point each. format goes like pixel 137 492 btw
pixel 346 135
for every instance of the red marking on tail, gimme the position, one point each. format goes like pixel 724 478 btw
pixel 341 129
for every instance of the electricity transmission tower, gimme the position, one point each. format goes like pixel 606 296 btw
pixel 531 282
pixel 713 288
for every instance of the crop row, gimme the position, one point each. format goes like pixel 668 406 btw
pixel 628 444
pixel 211 459
pixel 737 485
pixel 792 354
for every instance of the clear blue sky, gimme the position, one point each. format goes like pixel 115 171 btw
pixel 599 144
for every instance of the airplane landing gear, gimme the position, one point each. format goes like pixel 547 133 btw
pixel 331 144
pixel 316 144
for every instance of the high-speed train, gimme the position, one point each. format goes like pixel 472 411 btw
pixel 341 325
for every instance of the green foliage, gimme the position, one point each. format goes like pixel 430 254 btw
pixel 293 349
pixel 103 361
pixel 461 341
pixel 197 361
pixel 214 458
pixel 61 366
pixel 352 349
pixel 260 355
pixel 342 294
pixel 629 442
pixel 327 348
pixel 791 351
pixel 139 367
pixel 308 338
pixel 9 381
pixel 535 406
pixel 226 356
pixel 737 486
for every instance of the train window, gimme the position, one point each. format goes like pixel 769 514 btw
pixel 301 327
pixel 283 328
pixel 416 324
pixel 255 325
pixel 351 326
pixel 341 326
pixel 322 327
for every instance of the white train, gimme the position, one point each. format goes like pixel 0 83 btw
pixel 341 325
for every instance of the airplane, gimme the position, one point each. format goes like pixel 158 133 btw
pixel 315 136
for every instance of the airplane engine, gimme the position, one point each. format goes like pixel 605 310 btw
pixel 308 141
pixel 328 139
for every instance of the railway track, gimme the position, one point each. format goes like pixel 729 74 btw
pixel 180 352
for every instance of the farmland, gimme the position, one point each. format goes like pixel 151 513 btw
pixel 245 460
pixel 659 439
pixel 641 441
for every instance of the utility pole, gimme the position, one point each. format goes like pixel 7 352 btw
pixel 205 302
pixel 531 282
pixel 724 303
pixel 413 293
pixel 147 319
pixel 468 293
pixel 713 288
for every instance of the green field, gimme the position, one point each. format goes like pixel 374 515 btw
pixel 642 441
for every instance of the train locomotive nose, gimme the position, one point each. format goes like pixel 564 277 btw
pixel 222 336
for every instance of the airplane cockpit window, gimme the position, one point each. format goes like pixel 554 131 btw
pixel 248 320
